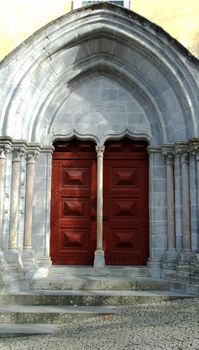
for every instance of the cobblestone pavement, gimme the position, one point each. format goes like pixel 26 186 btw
pixel 164 325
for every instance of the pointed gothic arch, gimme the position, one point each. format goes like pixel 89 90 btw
pixel 100 73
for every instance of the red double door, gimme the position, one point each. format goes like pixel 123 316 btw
pixel 125 208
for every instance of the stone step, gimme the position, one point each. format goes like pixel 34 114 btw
pixel 88 298
pixel 185 287
pixel 53 314
pixel 117 271
pixel 99 283
pixel 21 329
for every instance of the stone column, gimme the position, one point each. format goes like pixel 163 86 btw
pixel 194 149
pixel 28 254
pixel 43 196
pixel 2 174
pixel 185 202
pixel 3 151
pixel 13 255
pixel 30 174
pixel 99 253
pixel 169 259
pixel 170 202
pixel 197 169
pixel 178 202
pixel 184 257
pixel 154 258
pixel 14 198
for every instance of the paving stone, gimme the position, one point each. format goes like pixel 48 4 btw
pixel 167 325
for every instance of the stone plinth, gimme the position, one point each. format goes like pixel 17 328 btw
pixel 168 264
pixel 154 267
pixel 195 268
pixel 183 273
pixel 99 260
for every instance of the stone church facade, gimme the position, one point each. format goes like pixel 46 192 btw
pixel 96 90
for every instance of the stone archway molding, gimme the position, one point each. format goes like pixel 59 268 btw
pixel 33 71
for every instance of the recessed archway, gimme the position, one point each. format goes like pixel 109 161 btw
pixel 123 77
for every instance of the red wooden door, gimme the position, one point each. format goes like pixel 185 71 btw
pixel 73 208
pixel 126 203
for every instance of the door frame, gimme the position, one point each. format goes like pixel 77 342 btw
pixel 99 260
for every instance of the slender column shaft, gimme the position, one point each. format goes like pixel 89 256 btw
pixel 154 259
pixel 185 202
pixel 2 172
pixel 197 169
pixel 30 174
pixel 151 200
pixel 194 149
pixel 14 199
pixel 100 151
pixel 170 202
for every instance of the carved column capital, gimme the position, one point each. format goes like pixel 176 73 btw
pixel 4 150
pixel 185 157
pixel 181 149
pixel 168 154
pixel 183 153
pixel 194 145
pixel 17 153
pixel 31 156
pixel 100 151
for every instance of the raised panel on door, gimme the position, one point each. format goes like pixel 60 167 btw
pixel 126 207
pixel 73 233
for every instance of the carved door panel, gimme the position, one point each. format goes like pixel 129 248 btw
pixel 126 203
pixel 73 209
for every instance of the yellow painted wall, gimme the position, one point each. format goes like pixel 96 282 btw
pixel 180 18
pixel 21 18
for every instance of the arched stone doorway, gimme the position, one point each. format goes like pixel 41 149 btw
pixel 74 211
pixel 125 76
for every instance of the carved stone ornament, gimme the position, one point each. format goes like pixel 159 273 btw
pixel 32 156
pixel 168 154
pixel 194 145
pixel 4 149
pixel 100 150
pixel 17 153
pixel 183 152
pixel 185 157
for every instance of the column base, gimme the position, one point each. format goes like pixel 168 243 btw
pixel 3 263
pixel 183 270
pixel 29 262
pixel 195 268
pixel 43 266
pixel 154 267
pixel 169 262
pixel 99 260
pixel 44 262
pixel 14 265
